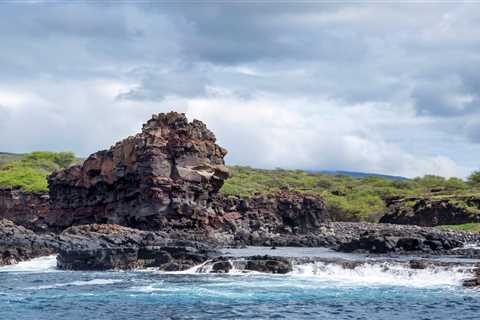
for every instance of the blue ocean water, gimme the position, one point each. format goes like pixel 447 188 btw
pixel 36 290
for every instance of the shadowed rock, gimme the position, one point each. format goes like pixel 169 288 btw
pixel 105 247
pixel 429 212
pixel 20 244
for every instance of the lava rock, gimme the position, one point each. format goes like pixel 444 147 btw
pixel 269 264
pixel 24 208
pixel 105 247
pixel 163 177
pixel 429 212
pixel 20 244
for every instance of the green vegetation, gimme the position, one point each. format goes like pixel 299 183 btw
pixel 474 178
pixel 472 227
pixel 30 171
pixel 348 198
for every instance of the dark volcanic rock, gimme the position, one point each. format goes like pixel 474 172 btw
pixel 28 209
pixel 252 220
pixel 19 244
pixel 265 264
pixel 429 212
pixel 269 264
pixel 389 238
pixel 475 281
pixel 163 177
pixel 104 247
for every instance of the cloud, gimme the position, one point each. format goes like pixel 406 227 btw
pixel 387 88
pixel 158 84
pixel 273 132
pixel 472 130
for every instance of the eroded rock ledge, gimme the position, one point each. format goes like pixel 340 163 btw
pixel 103 247
pixel 432 211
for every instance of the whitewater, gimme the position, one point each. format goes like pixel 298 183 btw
pixel 375 289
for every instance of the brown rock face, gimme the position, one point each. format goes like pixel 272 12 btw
pixel 28 209
pixel 164 176
pixel 284 212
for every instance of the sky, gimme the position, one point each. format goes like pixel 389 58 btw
pixel 384 87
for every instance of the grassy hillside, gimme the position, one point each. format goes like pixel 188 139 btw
pixel 30 171
pixel 348 198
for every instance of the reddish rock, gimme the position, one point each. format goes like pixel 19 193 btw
pixel 28 209
pixel 164 176
pixel 281 212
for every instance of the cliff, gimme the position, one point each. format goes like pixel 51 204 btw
pixel 28 209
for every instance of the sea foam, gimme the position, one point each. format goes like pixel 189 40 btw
pixel 37 265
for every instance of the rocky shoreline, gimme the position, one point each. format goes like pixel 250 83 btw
pixel 104 247
pixel 152 200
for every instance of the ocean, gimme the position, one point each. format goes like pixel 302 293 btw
pixel 36 290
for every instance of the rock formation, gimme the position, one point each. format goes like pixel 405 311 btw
pixel 20 244
pixel 475 281
pixel 429 212
pixel 264 264
pixel 263 216
pixel 389 238
pixel 28 209
pixel 104 247
pixel 164 176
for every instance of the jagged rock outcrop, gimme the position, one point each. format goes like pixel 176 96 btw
pixel 432 211
pixel 164 176
pixel 20 244
pixel 400 239
pixel 28 209
pixel 263 216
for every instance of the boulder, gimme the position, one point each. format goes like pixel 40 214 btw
pixel 258 263
pixel 269 264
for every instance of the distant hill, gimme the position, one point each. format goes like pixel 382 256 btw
pixel 357 174
pixel 6 157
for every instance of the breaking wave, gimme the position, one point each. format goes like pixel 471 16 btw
pixel 37 265
pixel 387 274
pixel 366 274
